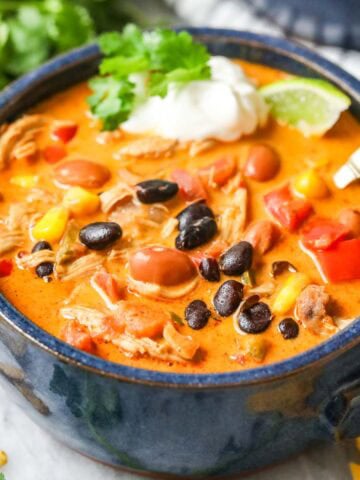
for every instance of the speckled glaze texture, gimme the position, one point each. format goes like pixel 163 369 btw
pixel 189 426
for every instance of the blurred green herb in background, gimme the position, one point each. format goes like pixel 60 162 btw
pixel 31 31
pixel 2 476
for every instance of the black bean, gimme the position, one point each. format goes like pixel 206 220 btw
pixel 195 211
pixel 255 319
pixel 42 245
pixel 197 314
pixel 44 269
pixel 196 234
pixel 228 297
pixel 100 235
pixel 154 191
pixel 209 269
pixel 237 259
pixel 288 328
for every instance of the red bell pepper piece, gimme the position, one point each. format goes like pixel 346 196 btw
pixel 64 131
pixel 341 262
pixel 321 233
pixel 54 153
pixel 190 186
pixel 6 267
pixel 288 210
pixel 219 172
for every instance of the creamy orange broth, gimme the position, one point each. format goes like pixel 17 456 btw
pixel 41 301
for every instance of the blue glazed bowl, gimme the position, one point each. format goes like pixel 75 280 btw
pixel 189 426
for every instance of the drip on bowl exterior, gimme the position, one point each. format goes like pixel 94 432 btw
pixel 189 426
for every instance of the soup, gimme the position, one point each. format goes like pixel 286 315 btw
pixel 189 256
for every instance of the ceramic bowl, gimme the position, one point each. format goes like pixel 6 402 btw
pixel 189 426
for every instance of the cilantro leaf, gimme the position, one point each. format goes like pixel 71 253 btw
pixel 112 100
pixel 2 476
pixel 170 50
pixel 129 43
pixel 163 56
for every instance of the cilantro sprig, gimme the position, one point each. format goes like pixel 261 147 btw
pixel 163 56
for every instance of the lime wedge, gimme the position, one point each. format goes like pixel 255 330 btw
pixel 311 105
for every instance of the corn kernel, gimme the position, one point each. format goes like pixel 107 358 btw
pixel 3 458
pixel 81 202
pixel 24 181
pixel 310 185
pixel 52 225
pixel 288 293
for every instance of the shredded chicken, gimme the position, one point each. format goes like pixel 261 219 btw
pixel 128 177
pixel 20 216
pixel 26 147
pixel 82 267
pixel 90 318
pixel 118 194
pixel 117 254
pixel 200 146
pixel 150 146
pixel 169 227
pixel 234 184
pixel 42 196
pixel 19 138
pixel 142 346
pixel 10 239
pixel 95 322
pixel 32 260
pixel 232 220
pixel 184 346
pixel 311 309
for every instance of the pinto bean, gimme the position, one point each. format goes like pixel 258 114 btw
pixel 262 163
pixel 82 173
pixel 160 265
pixel 351 219
pixel 262 235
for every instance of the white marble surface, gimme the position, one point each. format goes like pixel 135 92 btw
pixel 34 455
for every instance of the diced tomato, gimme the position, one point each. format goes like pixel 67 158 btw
pixel 78 337
pixel 141 320
pixel 288 210
pixel 54 153
pixel 64 131
pixel 6 267
pixel 321 233
pixel 219 172
pixel 107 286
pixel 190 186
pixel 341 262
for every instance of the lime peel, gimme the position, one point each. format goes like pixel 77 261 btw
pixel 311 105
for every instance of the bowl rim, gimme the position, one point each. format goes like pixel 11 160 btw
pixel 319 355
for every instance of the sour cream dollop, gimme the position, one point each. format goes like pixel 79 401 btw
pixel 225 107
